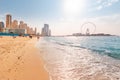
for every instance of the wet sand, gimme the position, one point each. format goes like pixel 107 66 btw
pixel 20 60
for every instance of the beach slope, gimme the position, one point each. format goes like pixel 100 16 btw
pixel 20 60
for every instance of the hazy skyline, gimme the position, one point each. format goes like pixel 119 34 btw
pixel 65 16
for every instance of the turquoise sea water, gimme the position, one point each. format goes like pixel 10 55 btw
pixel 105 45
pixel 81 58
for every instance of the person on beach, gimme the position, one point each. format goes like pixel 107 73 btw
pixel 14 37
pixel 38 37
pixel 30 36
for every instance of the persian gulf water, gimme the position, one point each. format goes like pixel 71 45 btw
pixel 81 58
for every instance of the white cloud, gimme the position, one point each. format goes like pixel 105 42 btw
pixel 105 3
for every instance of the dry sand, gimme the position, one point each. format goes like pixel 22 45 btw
pixel 19 60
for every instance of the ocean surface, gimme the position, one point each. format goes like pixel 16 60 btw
pixel 81 58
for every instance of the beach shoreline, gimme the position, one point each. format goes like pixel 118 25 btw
pixel 20 60
pixel 66 62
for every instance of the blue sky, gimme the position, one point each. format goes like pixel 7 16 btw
pixel 65 14
pixel 30 8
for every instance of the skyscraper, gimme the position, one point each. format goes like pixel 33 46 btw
pixel 21 25
pixel 15 24
pixel 46 31
pixel 8 21
pixel 28 30
pixel 35 31
pixel 1 26
pixel 24 26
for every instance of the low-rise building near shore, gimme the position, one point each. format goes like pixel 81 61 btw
pixel 15 31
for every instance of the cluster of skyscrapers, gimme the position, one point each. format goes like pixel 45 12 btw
pixel 13 26
pixel 46 31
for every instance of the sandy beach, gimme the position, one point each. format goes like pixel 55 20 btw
pixel 19 60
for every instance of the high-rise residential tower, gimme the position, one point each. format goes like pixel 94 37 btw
pixel 35 31
pixel 24 26
pixel 1 26
pixel 46 31
pixel 8 21
pixel 21 25
pixel 15 24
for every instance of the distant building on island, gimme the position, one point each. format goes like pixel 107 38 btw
pixel 45 30
pixel 77 34
pixel 87 32
pixel 98 34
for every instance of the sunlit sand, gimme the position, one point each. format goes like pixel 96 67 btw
pixel 19 60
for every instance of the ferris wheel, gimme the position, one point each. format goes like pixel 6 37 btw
pixel 88 28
